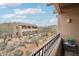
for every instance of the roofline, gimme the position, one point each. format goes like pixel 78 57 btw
pixel 57 6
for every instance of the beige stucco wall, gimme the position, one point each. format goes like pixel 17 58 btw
pixel 69 29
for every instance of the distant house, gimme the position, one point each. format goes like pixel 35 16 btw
pixel 17 28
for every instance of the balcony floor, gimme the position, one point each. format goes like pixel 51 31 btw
pixel 70 53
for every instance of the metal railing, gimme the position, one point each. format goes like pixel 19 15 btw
pixel 46 49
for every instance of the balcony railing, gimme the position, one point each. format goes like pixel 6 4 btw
pixel 46 48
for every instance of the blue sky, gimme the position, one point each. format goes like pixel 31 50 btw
pixel 35 13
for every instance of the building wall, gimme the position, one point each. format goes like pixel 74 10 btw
pixel 14 28
pixel 69 29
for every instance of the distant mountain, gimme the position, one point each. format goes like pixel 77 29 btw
pixel 45 28
pixel 51 26
pixel 18 23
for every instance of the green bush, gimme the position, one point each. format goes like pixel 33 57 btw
pixel 35 40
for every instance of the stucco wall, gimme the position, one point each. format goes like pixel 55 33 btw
pixel 69 29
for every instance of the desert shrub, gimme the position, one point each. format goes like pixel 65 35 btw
pixel 35 40
pixel 27 53
pixel 18 52
pixel 9 48
pixel 2 46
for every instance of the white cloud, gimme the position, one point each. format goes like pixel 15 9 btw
pixel 20 20
pixel 29 11
pixel 34 10
pixel 10 4
pixel 4 5
pixel 53 21
pixel 9 16
pixel 20 16
pixel 19 11
pixel 15 20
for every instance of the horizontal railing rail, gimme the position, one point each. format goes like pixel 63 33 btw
pixel 46 48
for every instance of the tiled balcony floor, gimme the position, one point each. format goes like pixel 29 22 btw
pixel 69 53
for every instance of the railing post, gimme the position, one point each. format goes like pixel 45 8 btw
pixel 39 53
pixel 45 50
pixel 42 51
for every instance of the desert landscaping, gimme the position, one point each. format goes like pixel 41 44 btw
pixel 25 45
